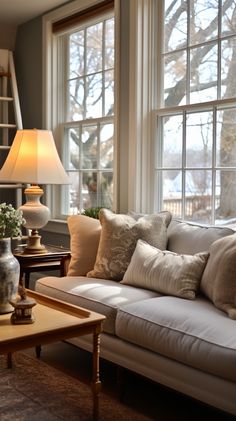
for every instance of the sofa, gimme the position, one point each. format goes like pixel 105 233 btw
pixel 168 291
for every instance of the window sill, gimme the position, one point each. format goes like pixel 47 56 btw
pixel 57 226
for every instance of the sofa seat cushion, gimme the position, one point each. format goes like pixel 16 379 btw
pixel 192 332
pixel 102 296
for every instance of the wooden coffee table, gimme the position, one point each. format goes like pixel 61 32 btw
pixel 54 321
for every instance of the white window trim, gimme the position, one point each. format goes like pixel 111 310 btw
pixel 50 92
pixel 141 148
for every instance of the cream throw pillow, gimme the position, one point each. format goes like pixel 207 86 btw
pixel 219 278
pixel 84 239
pixel 165 271
pixel 119 236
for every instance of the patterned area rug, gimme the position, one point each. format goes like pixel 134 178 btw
pixel 34 391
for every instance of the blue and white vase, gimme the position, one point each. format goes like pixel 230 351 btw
pixel 9 276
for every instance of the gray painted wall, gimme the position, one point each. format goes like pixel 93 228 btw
pixel 28 64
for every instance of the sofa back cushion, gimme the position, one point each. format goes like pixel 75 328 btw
pixel 191 238
pixel 84 239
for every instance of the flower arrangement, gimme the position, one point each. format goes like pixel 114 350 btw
pixel 11 221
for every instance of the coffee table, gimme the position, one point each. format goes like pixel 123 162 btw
pixel 54 321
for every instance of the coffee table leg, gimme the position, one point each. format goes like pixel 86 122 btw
pixel 96 384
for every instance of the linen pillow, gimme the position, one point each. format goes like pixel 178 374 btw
pixel 119 236
pixel 219 278
pixel 84 240
pixel 165 271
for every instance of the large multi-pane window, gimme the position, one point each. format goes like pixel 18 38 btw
pixel 86 96
pixel 196 119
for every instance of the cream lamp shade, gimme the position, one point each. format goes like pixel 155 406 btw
pixel 33 159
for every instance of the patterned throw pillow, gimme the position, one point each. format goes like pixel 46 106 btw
pixel 165 272
pixel 119 236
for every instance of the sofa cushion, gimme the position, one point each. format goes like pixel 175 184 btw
pixel 102 296
pixel 219 278
pixel 164 271
pixel 192 332
pixel 84 239
pixel 191 238
pixel 119 236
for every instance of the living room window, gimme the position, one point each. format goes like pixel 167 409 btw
pixel 83 64
pixel 195 169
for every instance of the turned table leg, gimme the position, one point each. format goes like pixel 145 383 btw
pixel 96 383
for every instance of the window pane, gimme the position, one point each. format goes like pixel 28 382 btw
pixel 89 147
pixel 198 195
pixel 172 141
pixel 225 191
pixel 199 138
pixel 89 189
pixel 74 189
pixel 106 139
pixel 228 23
pixel 171 182
pixel 76 52
pixel 202 16
pixel 76 100
pixel 203 73
pixel 109 92
pixel 106 190
pixel 228 64
pixel 94 96
pixel 175 24
pixel 94 48
pixel 175 79
pixel 225 138
pixel 73 146
pixel 109 44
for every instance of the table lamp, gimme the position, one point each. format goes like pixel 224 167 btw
pixel 33 159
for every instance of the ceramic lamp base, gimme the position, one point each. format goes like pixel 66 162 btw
pixel 36 215
pixel 34 245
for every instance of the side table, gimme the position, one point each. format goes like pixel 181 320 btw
pixel 53 259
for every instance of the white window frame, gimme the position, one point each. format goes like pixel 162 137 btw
pixel 160 112
pixel 51 100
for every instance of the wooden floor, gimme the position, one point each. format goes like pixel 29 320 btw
pixel 144 396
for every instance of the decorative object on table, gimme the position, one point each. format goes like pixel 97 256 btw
pixel 11 221
pixel 92 212
pixel 33 158
pixel 23 308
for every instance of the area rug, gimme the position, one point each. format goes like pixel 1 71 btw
pixel 34 391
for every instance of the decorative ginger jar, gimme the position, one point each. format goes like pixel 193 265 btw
pixel 9 276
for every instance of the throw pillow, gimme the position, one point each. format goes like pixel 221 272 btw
pixel 164 271
pixel 119 236
pixel 84 239
pixel 219 278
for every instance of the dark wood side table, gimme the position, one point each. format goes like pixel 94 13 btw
pixel 53 259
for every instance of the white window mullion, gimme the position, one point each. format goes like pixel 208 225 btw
pixel 140 131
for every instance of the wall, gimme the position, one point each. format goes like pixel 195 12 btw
pixel 28 63
pixel 7 36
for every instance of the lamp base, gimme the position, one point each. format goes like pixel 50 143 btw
pixel 33 245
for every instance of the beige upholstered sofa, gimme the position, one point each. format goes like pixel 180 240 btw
pixel 169 318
